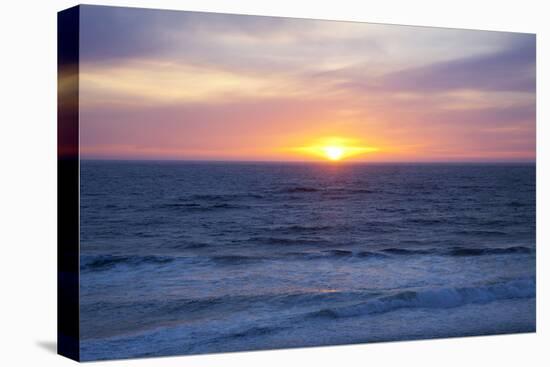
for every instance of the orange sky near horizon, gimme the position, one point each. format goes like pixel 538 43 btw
pixel 199 86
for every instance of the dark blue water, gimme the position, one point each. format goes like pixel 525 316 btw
pixel 184 258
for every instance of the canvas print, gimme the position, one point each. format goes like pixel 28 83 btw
pixel 234 182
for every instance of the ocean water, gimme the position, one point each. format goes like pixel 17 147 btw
pixel 190 257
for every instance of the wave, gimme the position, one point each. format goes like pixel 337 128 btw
pixel 236 259
pixel 255 332
pixel 346 254
pixel 310 189
pixel 517 204
pixel 300 189
pixel 339 253
pixel 329 304
pixel 425 221
pixel 192 206
pixel 441 298
pixel 195 245
pixel 460 251
pixel 193 307
pixel 225 197
pixel 463 251
pixel 348 191
pixel 228 206
pixel 328 254
pixel 370 254
pixel 362 191
pixel 301 256
pixel 323 304
pixel 483 233
pixel 270 240
pixel 402 251
pixel 302 228
pixel 105 262
pixel 178 205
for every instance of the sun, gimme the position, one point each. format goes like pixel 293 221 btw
pixel 334 153
pixel 334 149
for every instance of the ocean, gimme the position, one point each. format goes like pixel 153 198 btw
pixel 207 257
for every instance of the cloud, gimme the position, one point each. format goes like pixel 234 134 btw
pixel 181 84
pixel 109 34
pixel 509 69
pixel 268 44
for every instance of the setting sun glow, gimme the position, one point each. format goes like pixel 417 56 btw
pixel 335 149
pixel 334 153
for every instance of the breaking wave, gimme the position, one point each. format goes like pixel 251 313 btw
pixel 105 262
pixel 436 298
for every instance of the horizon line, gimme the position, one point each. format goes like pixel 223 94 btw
pixel 306 161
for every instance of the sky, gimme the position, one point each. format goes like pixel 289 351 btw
pixel 203 86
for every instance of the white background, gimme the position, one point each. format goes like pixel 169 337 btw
pixel 28 182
